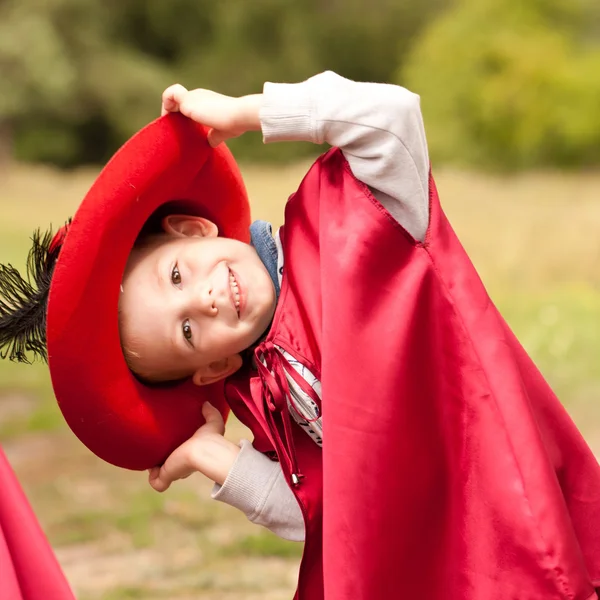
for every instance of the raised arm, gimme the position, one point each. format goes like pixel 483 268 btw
pixel 378 127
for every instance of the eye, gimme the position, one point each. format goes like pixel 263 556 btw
pixel 175 275
pixel 186 328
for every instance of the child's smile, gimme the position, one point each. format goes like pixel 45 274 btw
pixel 192 303
pixel 236 293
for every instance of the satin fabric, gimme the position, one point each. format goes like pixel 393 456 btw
pixel 28 567
pixel 449 468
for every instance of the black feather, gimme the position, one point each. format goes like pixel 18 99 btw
pixel 24 301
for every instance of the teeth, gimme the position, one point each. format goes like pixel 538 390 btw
pixel 234 287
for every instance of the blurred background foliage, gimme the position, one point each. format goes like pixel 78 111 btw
pixel 511 86
pixel 505 84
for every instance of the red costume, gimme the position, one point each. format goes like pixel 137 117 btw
pixel 28 568
pixel 449 469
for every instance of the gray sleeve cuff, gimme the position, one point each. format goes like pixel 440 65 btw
pixel 256 486
pixel 378 127
pixel 249 481
pixel 287 112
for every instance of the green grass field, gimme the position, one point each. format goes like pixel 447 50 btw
pixel 536 242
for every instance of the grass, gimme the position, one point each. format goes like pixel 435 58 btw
pixel 535 241
pixel 561 329
pixel 263 544
pixel 33 382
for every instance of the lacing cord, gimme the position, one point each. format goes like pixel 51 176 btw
pixel 276 394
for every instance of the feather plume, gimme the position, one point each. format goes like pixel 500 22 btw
pixel 24 301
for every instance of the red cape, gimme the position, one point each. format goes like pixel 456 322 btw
pixel 28 567
pixel 449 468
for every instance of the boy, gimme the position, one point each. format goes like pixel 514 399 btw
pixel 448 468
pixel 211 325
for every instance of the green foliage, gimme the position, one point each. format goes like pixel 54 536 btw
pixel 510 84
pixel 79 76
pixel 31 48
pixel 504 83
pixel 62 72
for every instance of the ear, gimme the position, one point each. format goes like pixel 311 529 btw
pixel 217 370
pixel 189 226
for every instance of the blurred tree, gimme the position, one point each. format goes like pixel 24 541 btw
pixel 367 41
pixel 511 84
pixel 236 46
pixel 231 47
pixel 63 77
pixel 30 50
pixel 79 76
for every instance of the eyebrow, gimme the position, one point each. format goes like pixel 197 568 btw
pixel 159 276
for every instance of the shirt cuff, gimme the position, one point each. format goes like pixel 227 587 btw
pixel 249 482
pixel 287 114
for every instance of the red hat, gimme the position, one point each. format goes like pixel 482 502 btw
pixel 168 165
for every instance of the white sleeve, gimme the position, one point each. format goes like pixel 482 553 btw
pixel 378 127
pixel 256 486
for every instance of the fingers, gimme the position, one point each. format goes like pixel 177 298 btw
pixel 177 466
pixel 172 97
pixel 215 137
pixel 156 481
pixel 213 418
pixel 184 460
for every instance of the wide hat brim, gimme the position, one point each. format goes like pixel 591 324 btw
pixel 169 165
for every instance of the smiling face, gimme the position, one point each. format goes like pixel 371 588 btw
pixel 191 302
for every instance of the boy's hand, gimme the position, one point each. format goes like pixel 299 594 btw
pixel 207 451
pixel 227 116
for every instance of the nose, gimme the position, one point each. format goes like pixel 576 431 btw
pixel 201 301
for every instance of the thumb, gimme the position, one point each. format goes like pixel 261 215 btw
pixel 213 418
pixel 156 481
pixel 177 466
pixel 215 137
pixel 172 97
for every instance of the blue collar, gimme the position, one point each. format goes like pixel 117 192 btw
pixel 261 236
